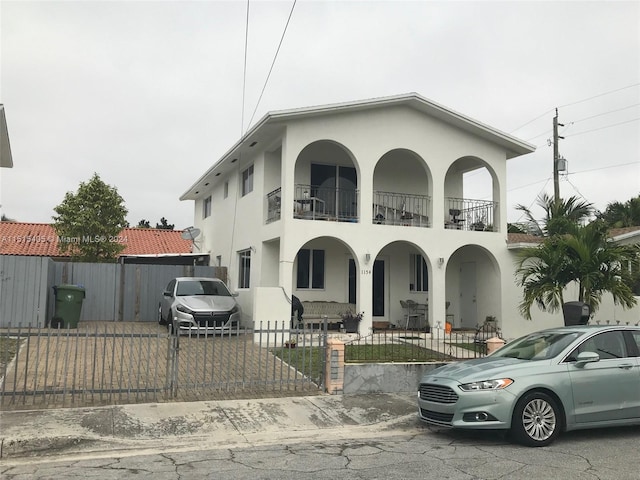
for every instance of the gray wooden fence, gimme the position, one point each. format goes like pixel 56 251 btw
pixel 114 292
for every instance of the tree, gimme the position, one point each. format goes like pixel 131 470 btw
pixel 618 215
pixel 585 256
pixel 89 223
pixel 163 225
pixel 561 216
pixel 143 224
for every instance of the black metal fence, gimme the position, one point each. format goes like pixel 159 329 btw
pixel 115 363
pixel 419 346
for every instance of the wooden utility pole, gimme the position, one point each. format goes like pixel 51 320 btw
pixel 556 158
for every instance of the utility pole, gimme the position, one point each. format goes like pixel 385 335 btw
pixel 556 158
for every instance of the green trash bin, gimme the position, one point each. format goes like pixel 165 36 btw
pixel 68 305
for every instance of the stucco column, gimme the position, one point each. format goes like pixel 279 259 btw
pixel 438 296
pixel 365 291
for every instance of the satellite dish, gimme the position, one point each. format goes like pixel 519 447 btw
pixel 190 233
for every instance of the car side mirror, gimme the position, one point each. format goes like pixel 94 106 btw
pixel 587 357
pixel 167 293
pixel 235 294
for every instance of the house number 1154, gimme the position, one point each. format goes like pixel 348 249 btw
pixel 365 272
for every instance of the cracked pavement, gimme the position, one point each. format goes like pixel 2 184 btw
pixel 350 437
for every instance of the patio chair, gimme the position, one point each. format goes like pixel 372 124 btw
pixel 409 313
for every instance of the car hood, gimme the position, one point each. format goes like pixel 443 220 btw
pixel 478 369
pixel 207 303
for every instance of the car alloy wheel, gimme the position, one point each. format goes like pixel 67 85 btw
pixel 536 420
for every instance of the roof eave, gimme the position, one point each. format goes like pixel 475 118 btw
pixel 513 146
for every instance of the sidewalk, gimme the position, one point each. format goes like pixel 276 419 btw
pixel 221 424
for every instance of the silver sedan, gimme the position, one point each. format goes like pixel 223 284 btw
pixel 198 305
pixel 550 381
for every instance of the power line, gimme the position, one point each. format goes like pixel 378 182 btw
pixel 244 72
pixel 574 173
pixel 599 95
pixel 604 113
pixel 274 60
pixel 575 103
pixel 606 126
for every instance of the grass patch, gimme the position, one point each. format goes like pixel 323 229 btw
pixel 307 360
pixel 8 349
pixel 480 348
pixel 391 352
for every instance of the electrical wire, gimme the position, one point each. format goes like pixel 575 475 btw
pixel 575 173
pixel 575 103
pixel 244 73
pixel 274 61
pixel 599 95
pixel 604 113
pixel 602 128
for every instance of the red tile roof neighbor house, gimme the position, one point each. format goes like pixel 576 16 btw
pixel 40 239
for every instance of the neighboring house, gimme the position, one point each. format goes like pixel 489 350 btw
pixel 607 312
pixel 365 203
pixel 142 245
pixel 6 160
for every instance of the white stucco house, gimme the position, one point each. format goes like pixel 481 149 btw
pixel 364 203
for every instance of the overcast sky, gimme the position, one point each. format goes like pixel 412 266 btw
pixel 150 94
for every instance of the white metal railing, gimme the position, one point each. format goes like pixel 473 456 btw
pixel 391 208
pixel 469 214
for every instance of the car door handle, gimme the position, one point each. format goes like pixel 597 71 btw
pixel 626 366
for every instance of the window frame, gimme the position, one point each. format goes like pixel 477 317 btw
pixel 244 269
pixel 312 269
pixel 206 206
pixel 247 180
pixel 418 278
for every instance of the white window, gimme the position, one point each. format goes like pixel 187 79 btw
pixel 419 275
pixel 244 268
pixel 247 181
pixel 206 207
pixel 310 273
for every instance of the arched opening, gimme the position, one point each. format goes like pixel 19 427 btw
pixel 401 190
pixel 471 196
pixel 326 183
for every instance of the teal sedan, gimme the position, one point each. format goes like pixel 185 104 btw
pixel 544 383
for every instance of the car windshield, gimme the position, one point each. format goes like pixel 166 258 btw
pixel 202 287
pixel 538 346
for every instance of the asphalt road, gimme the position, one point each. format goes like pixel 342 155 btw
pixel 408 451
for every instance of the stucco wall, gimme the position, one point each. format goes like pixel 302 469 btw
pixel 385 377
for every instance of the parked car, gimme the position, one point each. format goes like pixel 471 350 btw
pixel 550 381
pixel 199 305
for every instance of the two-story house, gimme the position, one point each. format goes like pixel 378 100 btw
pixel 364 203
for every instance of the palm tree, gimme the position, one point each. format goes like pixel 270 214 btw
pixel 585 256
pixel 561 216
pixel 618 215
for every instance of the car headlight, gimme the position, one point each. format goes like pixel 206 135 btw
pixel 183 309
pixel 497 384
pixel 235 309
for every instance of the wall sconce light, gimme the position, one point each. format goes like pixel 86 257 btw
pixel 440 262
pixel 367 257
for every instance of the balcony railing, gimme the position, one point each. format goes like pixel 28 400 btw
pixel 391 208
pixel 274 203
pixel 319 203
pixel 468 214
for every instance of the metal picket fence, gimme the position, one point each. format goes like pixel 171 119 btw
pixel 106 363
